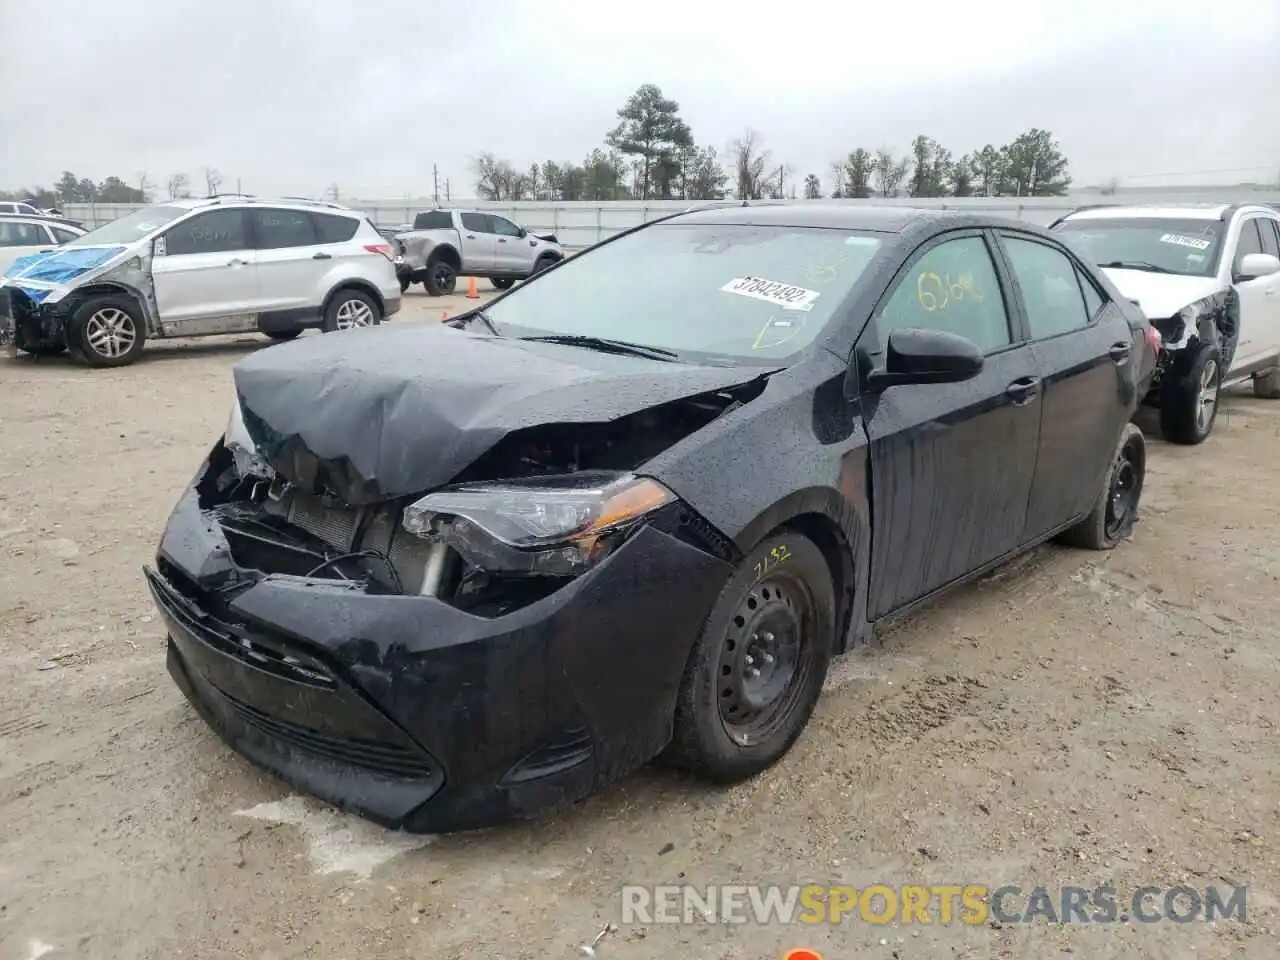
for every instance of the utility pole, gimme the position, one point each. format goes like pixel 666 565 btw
pixel 435 184
pixel 448 197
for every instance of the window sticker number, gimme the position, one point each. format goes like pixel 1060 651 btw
pixel 1179 240
pixel 938 292
pixel 779 554
pixel 771 291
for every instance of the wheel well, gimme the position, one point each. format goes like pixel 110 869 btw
pixel 362 286
pixel 830 539
pixel 550 255
pixel 448 255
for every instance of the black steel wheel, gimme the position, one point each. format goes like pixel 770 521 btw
pixel 1115 511
pixel 757 669
pixel 502 283
pixel 440 278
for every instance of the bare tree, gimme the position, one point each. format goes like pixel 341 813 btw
pixel 144 186
pixel 177 185
pixel 890 172
pixel 749 161
pixel 1111 186
pixel 212 181
pixel 331 192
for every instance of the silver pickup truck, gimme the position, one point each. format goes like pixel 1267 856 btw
pixel 446 244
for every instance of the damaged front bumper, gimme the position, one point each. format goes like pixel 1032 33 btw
pixel 416 713
pixel 26 324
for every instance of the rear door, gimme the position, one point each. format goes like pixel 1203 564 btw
pixel 1085 351
pixel 951 464
pixel 1259 298
pixel 478 244
pixel 292 260
pixel 512 253
pixel 206 268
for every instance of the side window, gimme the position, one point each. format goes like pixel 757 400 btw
pixel 504 228
pixel 335 229
pixel 433 220
pixel 1093 300
pixel 22 235
pixel 1250 241
pixel 1270 240
pixel 26 209
pixel 63 236
pixel 476 223
pixel 953 287
pixel 211 232
pixel 1050 288
pixel 277 229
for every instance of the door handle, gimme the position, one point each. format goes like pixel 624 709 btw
pixel 1119 352
pixel 1023 390
pixel 502 239
pixel 238 263
pixel 321 256
pixel 471 236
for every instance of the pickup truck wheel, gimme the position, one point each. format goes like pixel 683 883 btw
pixel 1267 385
pixel 441 278
pixel 1189 400
pixel 757 668
pixel 106 332
pixel 543 263
pixel 1116 509
pixel 502 283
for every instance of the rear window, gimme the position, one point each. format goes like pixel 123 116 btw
pixel 433 220
pixel 334 229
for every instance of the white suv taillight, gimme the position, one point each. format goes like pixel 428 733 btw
pixel 383 248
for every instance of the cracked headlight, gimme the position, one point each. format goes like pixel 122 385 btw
pixel 243 450
pixel 548 526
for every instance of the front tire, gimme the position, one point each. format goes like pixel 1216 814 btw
pixel 1189 401
pixel 544 263
pixel 282 335
pixel 350 309
pixel 756 671
pixel 502 283
pixel 1115 511
pixel 107 332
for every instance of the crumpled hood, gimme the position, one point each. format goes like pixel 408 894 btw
pixel 383 413
pixel 1161 295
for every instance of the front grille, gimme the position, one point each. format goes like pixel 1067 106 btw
pixel 384 758
pixel 335 525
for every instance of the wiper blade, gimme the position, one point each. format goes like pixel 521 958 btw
pixel 479 314
pixel 1134 265
pixel 605 345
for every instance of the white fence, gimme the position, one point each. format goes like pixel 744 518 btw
pixel 581 224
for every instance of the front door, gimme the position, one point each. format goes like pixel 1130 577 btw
pixel 207 270
pixel 478 244
pixel 1086 351
pixel 512 253
pixel 951 464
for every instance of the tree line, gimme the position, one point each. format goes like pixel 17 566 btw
pixel 72 189
pixel 652 154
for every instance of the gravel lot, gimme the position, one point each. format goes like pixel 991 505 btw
pixel 1074 719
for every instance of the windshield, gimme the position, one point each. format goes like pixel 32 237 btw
pixel 1188 248
pixel 725 291
pixel 131 227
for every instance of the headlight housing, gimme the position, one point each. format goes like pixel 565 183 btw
pixel 248 461
pixel 546 526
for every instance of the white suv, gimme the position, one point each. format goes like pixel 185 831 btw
pixel 1208 278
pixel 191 268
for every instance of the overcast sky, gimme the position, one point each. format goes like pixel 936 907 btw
pixel 289 96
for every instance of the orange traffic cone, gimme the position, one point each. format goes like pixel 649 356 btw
pixel 444 315
pixel 473 290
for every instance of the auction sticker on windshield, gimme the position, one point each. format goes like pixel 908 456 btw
pixel 1193 242
pixel 771 291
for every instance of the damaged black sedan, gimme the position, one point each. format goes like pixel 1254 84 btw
pixel 447 576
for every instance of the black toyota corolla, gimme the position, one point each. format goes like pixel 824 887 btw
pixel 445 576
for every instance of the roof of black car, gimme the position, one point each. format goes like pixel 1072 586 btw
pixel 840 216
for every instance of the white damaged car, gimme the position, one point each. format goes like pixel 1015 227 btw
pixel 1208 278
pixel 192 268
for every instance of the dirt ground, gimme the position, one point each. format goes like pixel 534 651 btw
pixel 1074 719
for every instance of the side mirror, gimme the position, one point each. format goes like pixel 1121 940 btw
pixel 159 246
pixel 1255 265
pixel 926 356
pixel 523 232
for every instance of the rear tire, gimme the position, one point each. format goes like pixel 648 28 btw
pixel 107 332
pixel 1267 385
pixel 756 671
pixel 350 309
pixel 282 335
pixel 1115 511
pixel 1189 400
pixel 502 283
pixel 441 278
